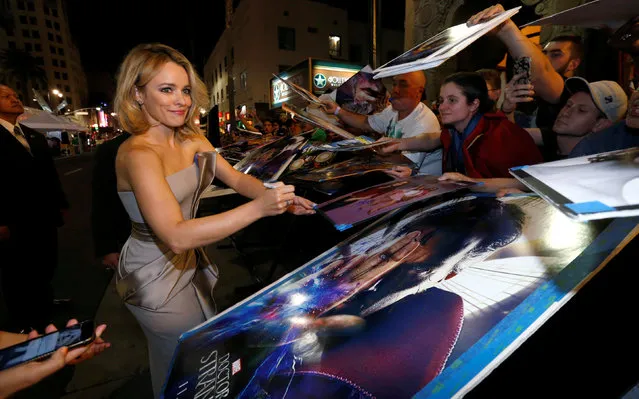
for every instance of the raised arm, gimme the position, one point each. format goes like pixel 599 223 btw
pixel 547 82
pixel 351 119
pixel 143 170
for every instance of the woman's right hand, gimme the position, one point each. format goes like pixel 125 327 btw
pixel 275 201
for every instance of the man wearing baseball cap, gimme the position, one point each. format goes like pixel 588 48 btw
pixel 591 107
pixel 624 134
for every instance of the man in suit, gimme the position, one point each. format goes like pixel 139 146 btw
pixel 31 210
pixel 110 223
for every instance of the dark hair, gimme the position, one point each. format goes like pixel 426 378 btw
pixel 473 86
pixel 577 48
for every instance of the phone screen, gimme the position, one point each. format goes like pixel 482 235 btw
pixel 44 345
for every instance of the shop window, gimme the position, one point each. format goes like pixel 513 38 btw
pixel 286 38
pixel 334 46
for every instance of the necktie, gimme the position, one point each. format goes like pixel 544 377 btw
pixel 19 134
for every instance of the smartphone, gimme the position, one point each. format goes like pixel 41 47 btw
pixel 41 347
pixel 522 65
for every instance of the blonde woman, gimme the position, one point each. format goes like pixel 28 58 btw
pixel 163 276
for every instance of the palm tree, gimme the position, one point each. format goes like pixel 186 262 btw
pixel 20 66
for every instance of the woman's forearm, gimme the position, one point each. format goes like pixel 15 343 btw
pixel 198 232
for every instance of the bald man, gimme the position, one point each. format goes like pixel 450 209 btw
pixel 405 117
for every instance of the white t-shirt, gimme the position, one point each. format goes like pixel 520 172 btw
pixel 421 120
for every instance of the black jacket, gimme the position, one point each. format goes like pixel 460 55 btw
pixel 110 223
pixel 31 191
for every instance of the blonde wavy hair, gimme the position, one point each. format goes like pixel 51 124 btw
pixel 140 66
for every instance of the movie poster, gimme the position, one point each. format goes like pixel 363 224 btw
pixel 395 309
pixel 353 208
pixel 355 166
pixel 268 162
pixel 362 94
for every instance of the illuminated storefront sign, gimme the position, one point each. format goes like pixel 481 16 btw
pixel 315 75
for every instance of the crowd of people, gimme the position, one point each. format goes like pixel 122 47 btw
pixel 146 182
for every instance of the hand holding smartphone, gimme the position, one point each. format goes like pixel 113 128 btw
pixel 41 347
pixel 522 66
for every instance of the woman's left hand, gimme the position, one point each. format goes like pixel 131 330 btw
pixel 301 206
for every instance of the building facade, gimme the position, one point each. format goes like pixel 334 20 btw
pixel 267 37
pixel 40 28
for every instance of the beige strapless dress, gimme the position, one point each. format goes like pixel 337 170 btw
pixel 168 293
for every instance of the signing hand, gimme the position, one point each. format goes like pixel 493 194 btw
pixel 301 206
pixel 275 201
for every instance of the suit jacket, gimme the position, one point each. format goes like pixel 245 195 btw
pixel 110 222
pixel 31 191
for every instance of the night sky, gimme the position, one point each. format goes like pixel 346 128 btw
pixel 105 34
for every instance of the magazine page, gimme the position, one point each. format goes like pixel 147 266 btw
pixel 356 166
pixel 268 162
pixel 589 187
pixel 420 304
pixel 362 93
pixel 348 210
pixel 316 121
pixel 441 46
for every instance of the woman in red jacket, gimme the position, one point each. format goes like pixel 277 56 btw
pixel 475 142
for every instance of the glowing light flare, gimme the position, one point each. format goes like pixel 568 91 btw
pixel 298 299
pixel 563 233
pixel 299 321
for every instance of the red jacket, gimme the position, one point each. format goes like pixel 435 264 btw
pixel 493 147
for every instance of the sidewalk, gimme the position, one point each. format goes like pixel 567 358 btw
pixel 122 372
